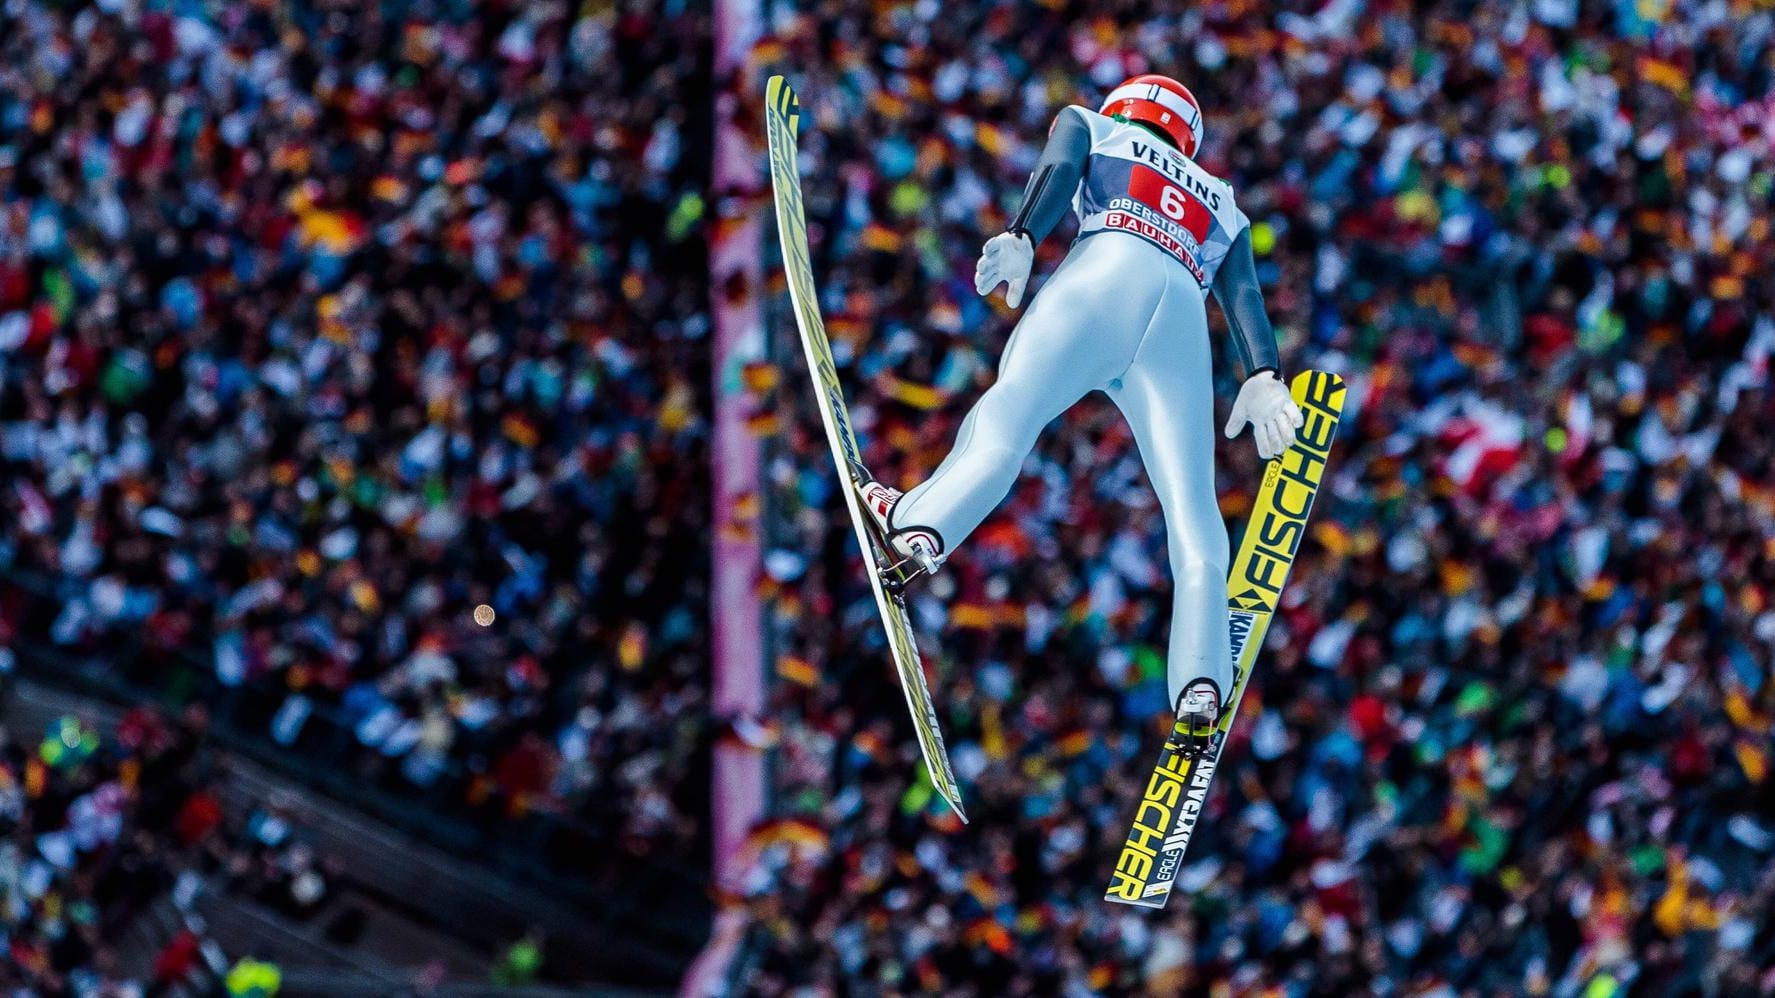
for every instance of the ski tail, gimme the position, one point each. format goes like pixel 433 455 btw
pixel 1177 792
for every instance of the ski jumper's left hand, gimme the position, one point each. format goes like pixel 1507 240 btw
pixel 1006 258
pixel 1264 402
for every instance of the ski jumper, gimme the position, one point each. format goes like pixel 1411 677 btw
pixel 1124 313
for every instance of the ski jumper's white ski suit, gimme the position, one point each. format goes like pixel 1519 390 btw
pixel 1125 313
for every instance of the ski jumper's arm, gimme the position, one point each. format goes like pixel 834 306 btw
pixel 1048 196
pixel 1263 402
pixel 1241 300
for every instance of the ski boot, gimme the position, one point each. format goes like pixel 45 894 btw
pixel 914 551
pixel 1198 713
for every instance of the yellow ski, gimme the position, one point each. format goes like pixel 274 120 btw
pixel 1178 789
pixel 781 114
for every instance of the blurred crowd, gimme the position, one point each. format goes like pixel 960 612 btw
pixel 1511 731
pixel 96 827
pixel 109 832
pixel 324 323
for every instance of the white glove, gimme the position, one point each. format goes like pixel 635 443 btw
pixel 1264 402
pixel 1007 258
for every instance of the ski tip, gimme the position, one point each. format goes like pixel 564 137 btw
pixel 780 95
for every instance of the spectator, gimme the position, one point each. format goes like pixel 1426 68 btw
pixel 521 962
pixel 199 818
pixel 178 960
pixel 254 978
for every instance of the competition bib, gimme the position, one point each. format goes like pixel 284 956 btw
pixel 1135 183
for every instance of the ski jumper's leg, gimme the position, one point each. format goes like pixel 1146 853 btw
pixel 1167 395
pixel 1081 329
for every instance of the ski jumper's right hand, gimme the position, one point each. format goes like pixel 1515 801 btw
pixel 1264 402
pixel 1006 258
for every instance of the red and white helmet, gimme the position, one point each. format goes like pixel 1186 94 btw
pixel 1161 102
